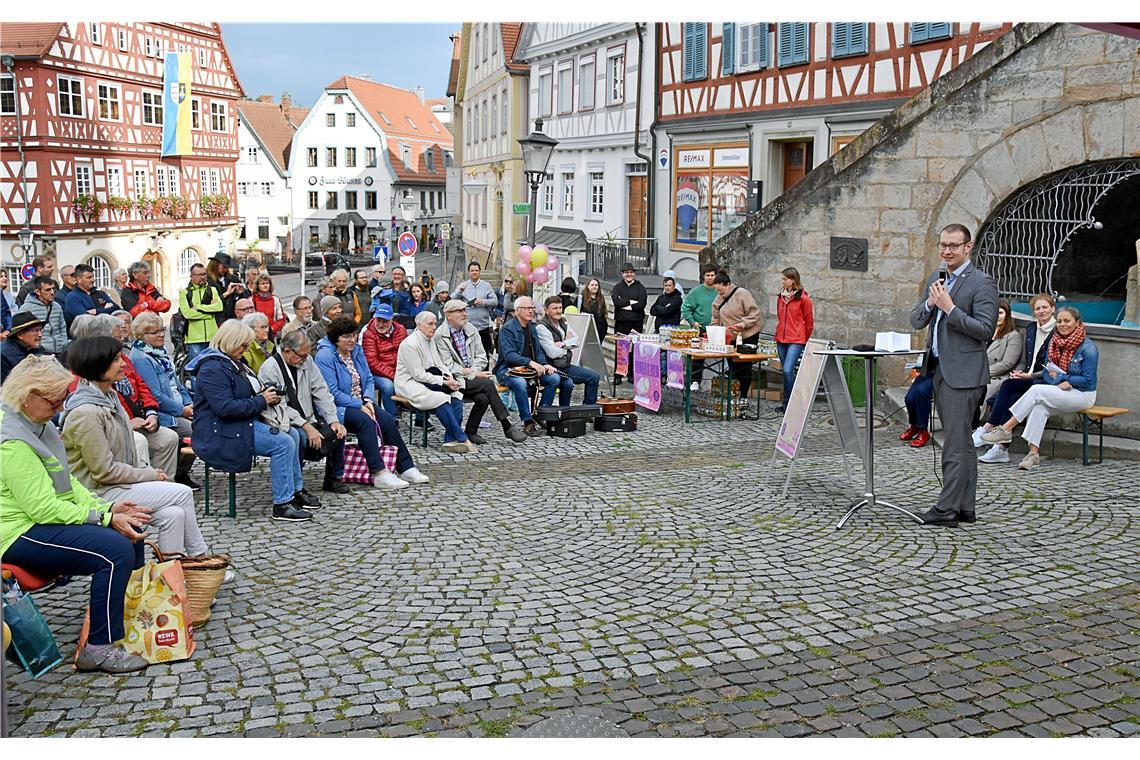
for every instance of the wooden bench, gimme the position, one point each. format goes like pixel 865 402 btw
pixel 402 406
pixel 1095 416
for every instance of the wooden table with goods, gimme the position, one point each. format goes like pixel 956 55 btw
pixel 720 365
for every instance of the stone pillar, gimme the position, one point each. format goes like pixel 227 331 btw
pixel 1132 293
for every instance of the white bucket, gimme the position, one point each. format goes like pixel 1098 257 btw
pixel 716 334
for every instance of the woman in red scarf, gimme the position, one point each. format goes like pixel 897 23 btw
pixel 269 304
pixel 1070 386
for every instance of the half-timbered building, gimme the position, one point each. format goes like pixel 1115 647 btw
pixel 747 109
pixel 81 135
pixel 583 84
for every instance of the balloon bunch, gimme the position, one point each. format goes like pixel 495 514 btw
pixel 536 264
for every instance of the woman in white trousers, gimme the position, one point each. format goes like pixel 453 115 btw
pixel 1069 386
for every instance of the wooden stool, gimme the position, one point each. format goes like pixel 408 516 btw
pixel 1096 415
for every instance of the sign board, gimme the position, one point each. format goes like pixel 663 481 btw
pixel 380 253
pixel 520 209
pixel 445 231
pixel 393 225
pixel 451 191
pixel 408 263
pixel 588 352
pixel 27 271
pixel 816 368
pixel 731 157
pixel 647 374
pixel 407 244
pixel 663 159
pixel 693 159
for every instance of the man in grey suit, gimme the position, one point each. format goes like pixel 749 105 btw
pixel 961 310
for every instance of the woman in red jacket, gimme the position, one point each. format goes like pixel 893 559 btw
pixel 794 325
pixel 269 304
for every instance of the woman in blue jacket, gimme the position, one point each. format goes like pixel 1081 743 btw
pixel 228 431
pixel 1069 386
pixel 175 407
pixel 341 361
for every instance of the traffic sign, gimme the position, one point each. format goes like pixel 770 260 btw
pixel 520 209
pixel 27 271
pixel 445 231
pixel 407 244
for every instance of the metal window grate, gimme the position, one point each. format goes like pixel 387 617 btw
pixel 1019 244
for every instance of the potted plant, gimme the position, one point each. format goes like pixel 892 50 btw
pixel 146 206
pixel 87 208
pixel 214 206
pixel 173 206
pixel 119 206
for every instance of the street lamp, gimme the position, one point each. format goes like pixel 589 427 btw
pixel 26 236
pixel 537 149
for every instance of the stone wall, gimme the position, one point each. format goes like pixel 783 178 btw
pixel 1041 98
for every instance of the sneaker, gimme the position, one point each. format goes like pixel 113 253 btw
pixel 472 447
pixel 413 475
pixel 977 437
pixel 694 386
pixel 291 513
pixel 230 576
pixel 997 435
pixel 110 660
pixel 305 499
pixel 454 447
pixel 335 486
pixel 1031 460
pixel 996 455
pixel 387 480
pixel 475 438
pixel 516 433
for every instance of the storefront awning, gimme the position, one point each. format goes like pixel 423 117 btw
pixel 564 239
pixel 349 217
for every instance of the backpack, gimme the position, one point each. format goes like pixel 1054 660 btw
pixel 179 326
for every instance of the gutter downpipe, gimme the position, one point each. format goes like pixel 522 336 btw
pixel 649 166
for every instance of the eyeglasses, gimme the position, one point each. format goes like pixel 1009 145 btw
pixel 950 246
pixel 159 331
pixel 524 308
pixel 54 402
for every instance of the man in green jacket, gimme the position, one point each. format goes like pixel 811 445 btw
pixel 201 305
pixel 697 310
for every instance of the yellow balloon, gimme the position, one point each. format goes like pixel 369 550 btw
pixel 571 310
pixel 538 257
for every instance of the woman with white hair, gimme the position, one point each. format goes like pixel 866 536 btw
pixel 52 524
pixel 420 380
pixel 262 347
pixel 228 430
pixel 119 280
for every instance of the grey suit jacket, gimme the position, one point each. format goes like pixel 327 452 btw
pixel 964 333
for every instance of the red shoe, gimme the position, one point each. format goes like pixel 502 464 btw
pixel 921 438
pixel 909 433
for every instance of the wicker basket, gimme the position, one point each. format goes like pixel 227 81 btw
pixel 204 576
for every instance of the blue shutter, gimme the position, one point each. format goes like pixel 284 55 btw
pixel 700 51
pixel 939 31
pixel 687 51
pixel 763 54
pixel 848 39
pixel 793 43
pixel 800 43
pixel 784 44
pixel 922 32
pixel 728 49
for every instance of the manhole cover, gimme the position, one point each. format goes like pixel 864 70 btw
pixel 570 726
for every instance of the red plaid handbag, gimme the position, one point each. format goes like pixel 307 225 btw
pixel 356 466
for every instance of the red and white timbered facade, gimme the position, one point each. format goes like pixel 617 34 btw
pixel 89 102
pixel 745 110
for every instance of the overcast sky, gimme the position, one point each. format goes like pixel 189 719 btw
pixel 304 57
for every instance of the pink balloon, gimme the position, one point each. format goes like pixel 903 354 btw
pixel 524 253
pixel 531 277
pixel 522 267
pixel 552 265
pixel 541 276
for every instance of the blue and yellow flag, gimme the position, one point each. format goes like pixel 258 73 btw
pixel 176 140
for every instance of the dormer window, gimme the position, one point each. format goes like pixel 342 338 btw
pixel 429 160
pixel 406 156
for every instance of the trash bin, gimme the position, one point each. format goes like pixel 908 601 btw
pixel 855 374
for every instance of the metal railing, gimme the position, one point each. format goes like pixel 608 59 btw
pixel 605 257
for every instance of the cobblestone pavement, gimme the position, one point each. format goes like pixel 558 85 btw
pixel 650 580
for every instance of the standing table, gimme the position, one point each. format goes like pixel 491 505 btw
pixel 869 497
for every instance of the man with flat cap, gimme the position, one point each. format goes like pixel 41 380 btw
pixel 23 339
pixel 629 299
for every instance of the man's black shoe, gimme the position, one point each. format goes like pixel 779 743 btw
pixel 290 513
pixel 531 428
pixel 475 438
pixel 967 517
pixel 185 479
pixel 336 486
pixel 305 499
pixel 942 519
pixel 516 433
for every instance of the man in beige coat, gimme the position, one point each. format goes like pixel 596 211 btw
pixel 420 379
pixel 735 308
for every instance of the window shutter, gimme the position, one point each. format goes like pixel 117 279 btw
pixel 700 51
pixel 687 51
pixel 793 43
pixel 762 54
pixel 800 44
pixel 840 38
pixel 919 32
pixel 784 43
pixel 938 31
pixel 728 49
pixel 858 38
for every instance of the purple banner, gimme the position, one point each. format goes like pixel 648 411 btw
pixel 674 370
pixel 621 356
pixel 647 374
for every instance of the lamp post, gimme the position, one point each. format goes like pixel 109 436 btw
pixel 537 148
pixel 26 236
pixel 8 62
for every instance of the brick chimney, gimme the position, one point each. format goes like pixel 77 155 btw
pixel 286 100
pixel 264 98
pixel 420 93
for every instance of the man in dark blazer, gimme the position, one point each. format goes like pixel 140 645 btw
pixel 960 309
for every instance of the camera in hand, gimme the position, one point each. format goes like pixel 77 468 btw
pixel 276 389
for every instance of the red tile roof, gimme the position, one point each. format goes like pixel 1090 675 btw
pixel 403 115
pixel 273 127
pixel 511 34
pixel 24 40
pixel 453 75
pixel 419 171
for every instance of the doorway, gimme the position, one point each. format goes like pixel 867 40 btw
pixel 636 204
pixel 797 161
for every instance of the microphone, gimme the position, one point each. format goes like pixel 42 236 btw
pixel 943 270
